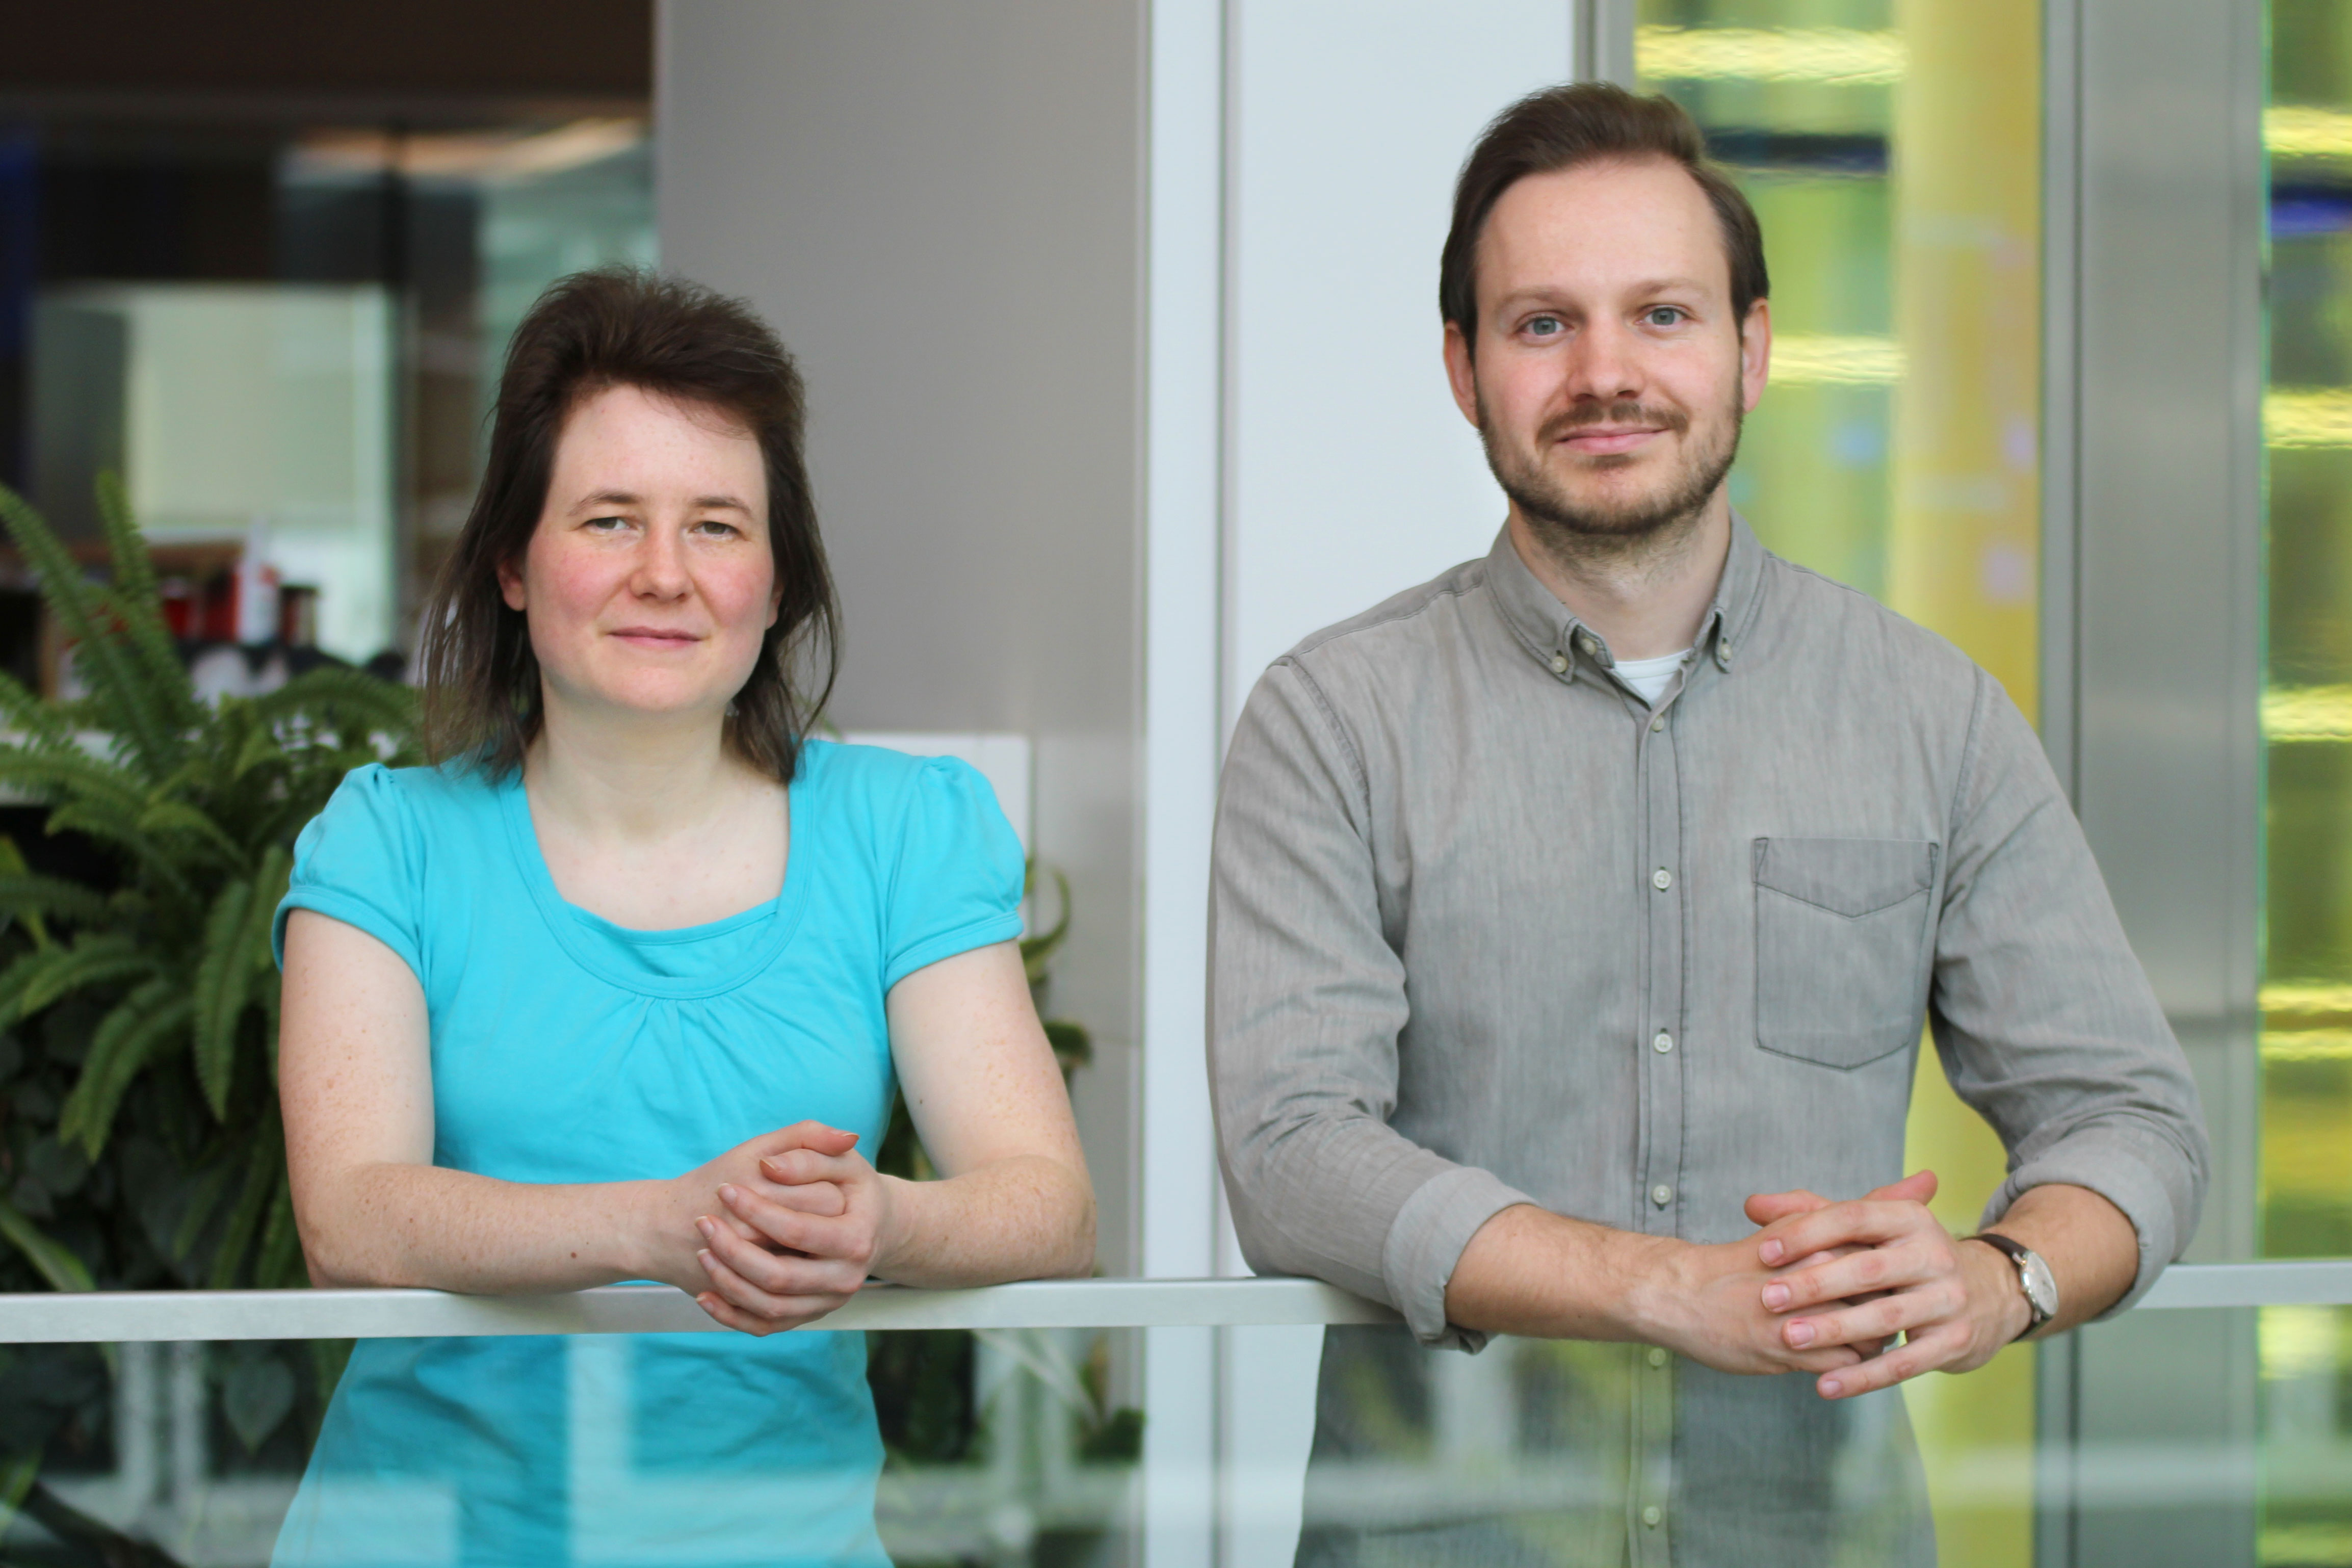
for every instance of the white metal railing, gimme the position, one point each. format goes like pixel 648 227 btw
pixel 105 1317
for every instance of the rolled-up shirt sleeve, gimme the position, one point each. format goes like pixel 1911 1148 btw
pixel 2046 1021
pixel 1306 999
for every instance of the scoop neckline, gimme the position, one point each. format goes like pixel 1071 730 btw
pixel 577 930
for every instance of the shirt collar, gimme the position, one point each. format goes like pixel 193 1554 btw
pixel 1556 639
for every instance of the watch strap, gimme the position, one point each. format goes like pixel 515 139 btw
pixel 2017 1253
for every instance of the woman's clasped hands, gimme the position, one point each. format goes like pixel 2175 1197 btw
pixel 783 1230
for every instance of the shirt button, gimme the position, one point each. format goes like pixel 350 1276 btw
pixel 1658 724
pixel 1662 1194
pixel 1652 1515
pixel 1657 1357
pixel 1662 878
pixel 1560 664
pixel 1663 1044
pixel 1586 641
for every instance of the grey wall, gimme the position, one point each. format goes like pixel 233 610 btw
pixel 939 206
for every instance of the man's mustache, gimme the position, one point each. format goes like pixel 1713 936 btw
pixel 1623 412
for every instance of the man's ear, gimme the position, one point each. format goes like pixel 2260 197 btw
pixel 1460 375
pixel 1755 353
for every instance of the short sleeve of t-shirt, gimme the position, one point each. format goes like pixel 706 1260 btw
pixel 358 862
pixel 957 885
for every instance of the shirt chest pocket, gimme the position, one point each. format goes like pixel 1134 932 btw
pixel 1841 945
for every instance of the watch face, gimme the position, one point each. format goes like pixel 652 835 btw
pixel 2041 1287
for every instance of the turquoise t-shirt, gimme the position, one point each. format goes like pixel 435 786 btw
pixel 567 1048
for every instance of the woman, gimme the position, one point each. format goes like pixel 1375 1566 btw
pixel 623 987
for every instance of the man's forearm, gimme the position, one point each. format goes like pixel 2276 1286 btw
pixel 2091 1248
pixel 1529 1271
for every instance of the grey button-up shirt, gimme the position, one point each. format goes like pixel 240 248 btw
pixel 1487 929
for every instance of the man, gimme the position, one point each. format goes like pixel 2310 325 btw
pixel 1576 913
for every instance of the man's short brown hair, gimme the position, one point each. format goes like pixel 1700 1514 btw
pixel 1583 122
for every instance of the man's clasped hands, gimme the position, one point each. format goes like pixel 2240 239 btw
pixel 778 1231
pixel 783 1229
pixel 1830 1288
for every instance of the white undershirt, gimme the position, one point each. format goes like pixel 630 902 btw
pixel 1650 676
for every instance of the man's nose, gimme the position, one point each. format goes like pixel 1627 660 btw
pixel 1603 364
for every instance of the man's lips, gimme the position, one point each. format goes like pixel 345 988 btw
pixel 1599 440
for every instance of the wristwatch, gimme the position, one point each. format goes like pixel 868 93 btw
pixel 2040 1286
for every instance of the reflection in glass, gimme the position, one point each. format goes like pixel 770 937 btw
pixel 2306 993
pixel 1892 149
pixel 195 1451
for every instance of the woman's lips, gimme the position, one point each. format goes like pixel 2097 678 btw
pixel 654 637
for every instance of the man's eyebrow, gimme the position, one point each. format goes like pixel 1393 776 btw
pixel 1544 293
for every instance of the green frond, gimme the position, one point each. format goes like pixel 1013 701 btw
pixel 45 974
pixel 204 1197
pixel 259 746
pixel 126 1039
pixel 147 643
pixel 177 816
pixel 28 897
pixel 224 978
pixel 73 774
pixel 269 883
pixel 36 722
pixel 52 1259
pixel 347 700
pixel 1037 952
pixel 264 1175
pixel 280 1266
pixel 106 666
pixel 18 1474
pixel 120 830
pixel 138 606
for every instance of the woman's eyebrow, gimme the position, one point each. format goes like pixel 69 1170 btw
pixel 629 497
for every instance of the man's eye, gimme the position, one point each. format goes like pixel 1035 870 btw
pixel 1662 315
pixel 1546 326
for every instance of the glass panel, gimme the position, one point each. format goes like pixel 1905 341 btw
pixel 286 340
pixel 998 1446
pixel 1892 149
pixel 2307 1043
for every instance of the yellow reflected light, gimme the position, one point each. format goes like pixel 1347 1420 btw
pixel 2308 1044
pixel 1812 359
pixel 1835 56
pixel 2282 1002
pixel 2307 416
pixel 2307 714
pixel 2294 131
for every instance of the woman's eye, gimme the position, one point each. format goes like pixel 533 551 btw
pixel 607 524
pixel 1664 315
pixel 714 526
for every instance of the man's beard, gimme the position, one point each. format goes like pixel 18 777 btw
pixel 1624 526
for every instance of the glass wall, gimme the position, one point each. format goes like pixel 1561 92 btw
pixel 2306 995
pixel 1892 149
pixel 286 340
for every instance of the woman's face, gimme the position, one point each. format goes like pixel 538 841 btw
pixel 650 581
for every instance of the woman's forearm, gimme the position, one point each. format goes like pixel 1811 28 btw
pixel 1024 1217
pixel 400 1224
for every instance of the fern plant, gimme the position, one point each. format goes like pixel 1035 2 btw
pixel 140 1141
pixel 198 804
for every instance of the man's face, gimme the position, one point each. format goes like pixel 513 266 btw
pixel 1609 377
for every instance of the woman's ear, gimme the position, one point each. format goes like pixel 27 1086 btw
pixel 510 584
